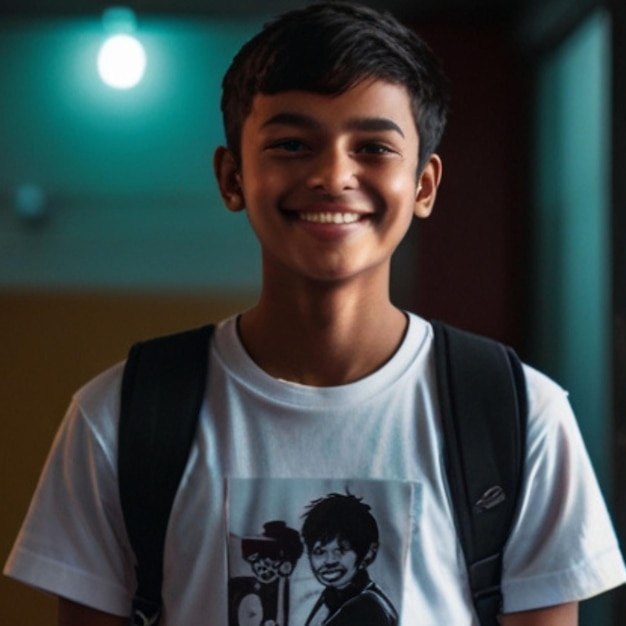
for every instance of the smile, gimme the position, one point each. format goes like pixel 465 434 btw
pixel 332 574
pixel 330 217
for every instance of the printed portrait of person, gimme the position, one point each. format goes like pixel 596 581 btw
pixel 342 539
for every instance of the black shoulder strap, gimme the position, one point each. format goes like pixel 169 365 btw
pixel 482 393
pixel 162 391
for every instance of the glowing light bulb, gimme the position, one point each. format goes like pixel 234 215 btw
pixel 121 61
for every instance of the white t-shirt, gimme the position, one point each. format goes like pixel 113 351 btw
pixel 267 451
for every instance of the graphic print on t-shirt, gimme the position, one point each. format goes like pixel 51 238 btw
pixel 309 552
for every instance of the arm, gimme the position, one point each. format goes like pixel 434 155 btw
pixel 74 614
pixel 563 547
pixel 561 615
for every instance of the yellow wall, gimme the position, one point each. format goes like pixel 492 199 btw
pixel 51 344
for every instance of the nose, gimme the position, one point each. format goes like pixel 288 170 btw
pixel 331 557
pixel 333 171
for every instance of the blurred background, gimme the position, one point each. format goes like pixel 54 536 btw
pixel 112 230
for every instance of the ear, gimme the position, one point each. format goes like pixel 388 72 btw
pixel 427 185
pixel 369 557
pixel 228 179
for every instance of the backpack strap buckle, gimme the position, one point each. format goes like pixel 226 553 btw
pixel 144 612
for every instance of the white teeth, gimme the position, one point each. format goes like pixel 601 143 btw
pixel 330 218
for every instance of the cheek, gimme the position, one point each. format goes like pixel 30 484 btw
pixel 404 188
pixel 396 188
pixel 268 174
pixel 349 561
pixel 264 190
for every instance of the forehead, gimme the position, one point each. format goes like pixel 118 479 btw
pixel 382 104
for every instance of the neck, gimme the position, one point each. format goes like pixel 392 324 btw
pixel 321 335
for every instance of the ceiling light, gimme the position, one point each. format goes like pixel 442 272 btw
pixel 122 59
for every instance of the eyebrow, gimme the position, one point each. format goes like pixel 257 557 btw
pixel 371 124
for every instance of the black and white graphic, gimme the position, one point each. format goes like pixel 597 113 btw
pixel 342 539
pixel 308 552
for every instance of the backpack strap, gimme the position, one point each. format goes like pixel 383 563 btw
pixel 482 393
pixel 162 391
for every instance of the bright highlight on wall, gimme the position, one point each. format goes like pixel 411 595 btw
pixel 122 61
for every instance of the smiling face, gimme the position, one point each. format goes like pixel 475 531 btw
pixel 335 563
pixel 329 183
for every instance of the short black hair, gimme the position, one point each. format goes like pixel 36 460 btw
pixel 341 517
pixel 327 48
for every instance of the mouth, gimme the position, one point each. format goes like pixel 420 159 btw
pixel 332 575
pixel 330 217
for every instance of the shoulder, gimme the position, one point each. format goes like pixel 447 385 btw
pixel 543 392
pixel 102 390
pixel 551 419
pixel 371 606
pixel 95 408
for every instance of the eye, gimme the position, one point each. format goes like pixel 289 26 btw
pixel 376 149
pixel 288 145
pixel 345 546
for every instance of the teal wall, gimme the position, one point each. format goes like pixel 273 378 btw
pixel 571 273
pixel 571 221
pixel 127 175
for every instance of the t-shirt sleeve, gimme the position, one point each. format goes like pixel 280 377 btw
pixel 72 543
pixel 563 547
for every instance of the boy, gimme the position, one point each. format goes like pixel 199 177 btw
pixel 332 114
pixel 341 536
